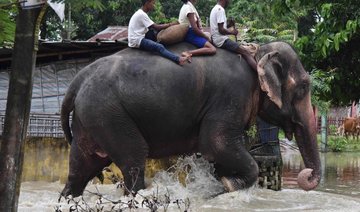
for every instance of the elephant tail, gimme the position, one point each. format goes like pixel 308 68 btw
pixel 66 108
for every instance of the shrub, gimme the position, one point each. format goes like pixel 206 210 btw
pixel 337 144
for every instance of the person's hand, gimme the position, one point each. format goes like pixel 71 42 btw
pixel 235 32
pixel 209 38
pixel 174 23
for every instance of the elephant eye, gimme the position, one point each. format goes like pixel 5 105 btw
pixel 302 90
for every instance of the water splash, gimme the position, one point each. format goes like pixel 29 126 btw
pixel 191 180
pixel 185 185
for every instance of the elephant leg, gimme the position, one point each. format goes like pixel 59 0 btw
pixel 131 161
pixel 233 163
pixel 82 168
pixel 124 144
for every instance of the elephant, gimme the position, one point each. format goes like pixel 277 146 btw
pixel 135 105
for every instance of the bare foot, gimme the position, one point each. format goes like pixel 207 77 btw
pixel 187 55
pixel 182 60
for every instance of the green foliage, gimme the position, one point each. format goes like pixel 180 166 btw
pixel 90 17
pixel 204 8
pixel 157 15
pixel 268 34
pixel 320 85
pixel 281 134
pixel 260 21
pixel 333 129
pixel 52 29
pixel 252 131
pixel 7 23
pixel 332 46
pixel 337 144
pixel 91 20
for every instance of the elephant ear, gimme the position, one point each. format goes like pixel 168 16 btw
pixel 270 83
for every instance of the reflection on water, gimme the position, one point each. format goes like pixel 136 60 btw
pixel 46 167
pixel 340 172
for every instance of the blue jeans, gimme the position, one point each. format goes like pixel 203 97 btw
pixel 150 45
pixel 195 39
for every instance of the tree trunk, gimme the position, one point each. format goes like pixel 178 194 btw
pixel 18 106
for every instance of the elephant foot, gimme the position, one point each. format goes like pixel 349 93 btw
pixel 66 192
pixel 233 183
pixel 72 190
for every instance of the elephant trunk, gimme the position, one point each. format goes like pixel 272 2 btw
pixel 305 134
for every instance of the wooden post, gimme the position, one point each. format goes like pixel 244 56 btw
pixel 18 106
pixel 353 110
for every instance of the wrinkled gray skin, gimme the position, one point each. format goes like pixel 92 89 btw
pixel 135 105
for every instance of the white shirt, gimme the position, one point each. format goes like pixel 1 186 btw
pixel 138 27
pixel 185 10
pixel 217 16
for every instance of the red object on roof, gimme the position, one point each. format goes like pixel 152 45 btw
pixel 112 33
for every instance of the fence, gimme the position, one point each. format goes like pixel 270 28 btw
pixel 337 122
pixel 40 125
pixel 48 125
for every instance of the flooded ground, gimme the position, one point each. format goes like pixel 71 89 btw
pixel 45 173
pixel 340 172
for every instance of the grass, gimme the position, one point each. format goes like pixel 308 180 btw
pixel 336 143
pixel 341 143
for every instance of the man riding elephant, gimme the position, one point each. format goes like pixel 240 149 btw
pixel 220 32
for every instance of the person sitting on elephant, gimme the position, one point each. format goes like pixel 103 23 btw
pixel 139 25
pixel 189 15
pixel 220 32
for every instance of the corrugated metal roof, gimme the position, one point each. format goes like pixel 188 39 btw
pixel 112 33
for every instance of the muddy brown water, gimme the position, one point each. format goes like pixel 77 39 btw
pixel 46 168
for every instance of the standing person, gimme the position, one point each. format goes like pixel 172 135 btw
pixel 139 25
pixel 219 33
pixel 189 15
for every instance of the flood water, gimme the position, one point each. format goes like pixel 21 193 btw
pixel 45 172
pixel 340 172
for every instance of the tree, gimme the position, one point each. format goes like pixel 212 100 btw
pixel 329 42
pixel 262 21
pixel 18 106
pixel 51 28
pixel 7 22
pixel 91 20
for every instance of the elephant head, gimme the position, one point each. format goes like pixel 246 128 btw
pixel 286 103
